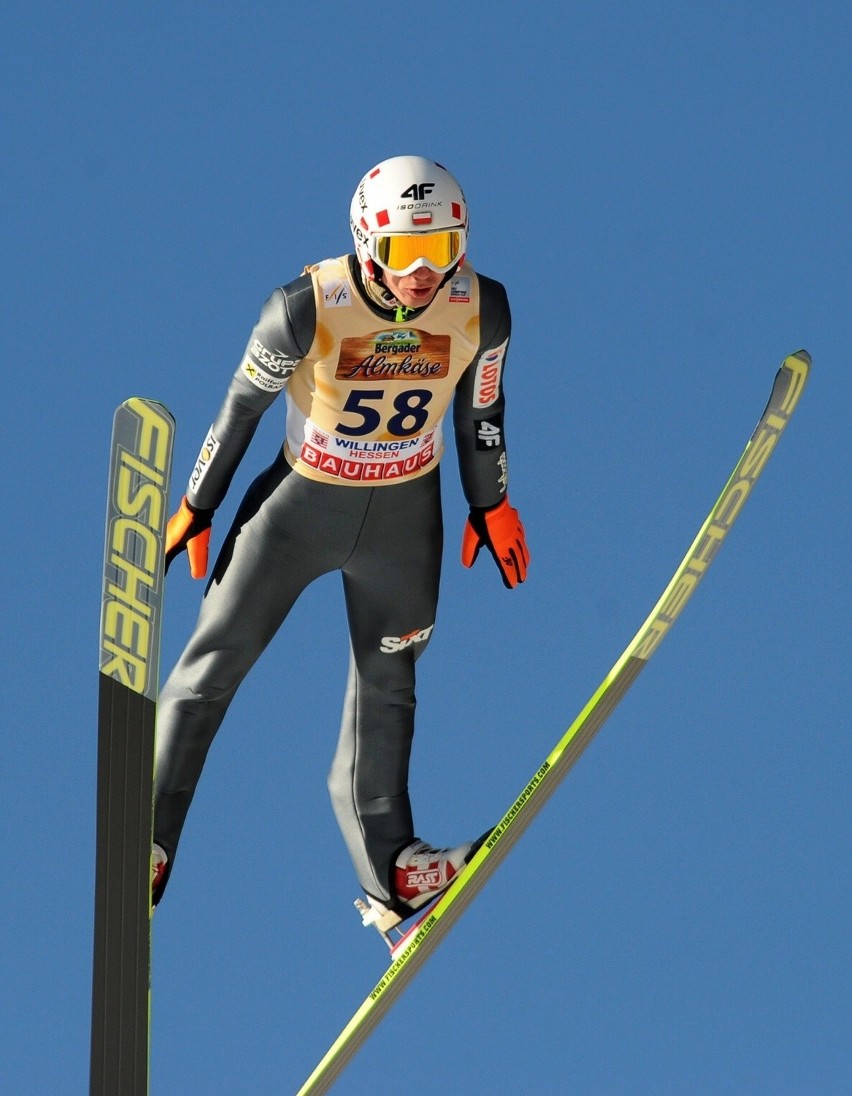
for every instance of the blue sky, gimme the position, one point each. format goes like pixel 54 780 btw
pixel 664 190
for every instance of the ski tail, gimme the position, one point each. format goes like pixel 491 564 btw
pixel 786 392
pixel 131 615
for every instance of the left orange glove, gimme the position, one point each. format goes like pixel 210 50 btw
pixel 499 529
pixel 189 529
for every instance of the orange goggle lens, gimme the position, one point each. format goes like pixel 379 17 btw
pixel 438 249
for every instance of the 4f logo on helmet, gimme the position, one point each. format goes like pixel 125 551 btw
pixel 418 192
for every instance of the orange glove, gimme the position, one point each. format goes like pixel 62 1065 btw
pixel 500 530
pixel 189 529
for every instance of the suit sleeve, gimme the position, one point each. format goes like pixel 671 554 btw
pixel 479 404
pixel 280 339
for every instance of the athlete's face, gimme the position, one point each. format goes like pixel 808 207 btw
pixel 414 290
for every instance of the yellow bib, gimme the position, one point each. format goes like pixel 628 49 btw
pixel 366 404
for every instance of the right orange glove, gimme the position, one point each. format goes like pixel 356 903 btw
pixel 499 529
pixel 189 529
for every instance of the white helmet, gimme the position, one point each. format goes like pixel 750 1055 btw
pixel 406 213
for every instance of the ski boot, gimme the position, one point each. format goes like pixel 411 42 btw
pixel 421 874
pixel 159 863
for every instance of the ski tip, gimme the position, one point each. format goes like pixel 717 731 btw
pixel 802 355
pixel 158 404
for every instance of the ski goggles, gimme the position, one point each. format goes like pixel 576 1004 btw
pixel 400 254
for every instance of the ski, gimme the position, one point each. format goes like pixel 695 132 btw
pixel 414 948
pixel 131 613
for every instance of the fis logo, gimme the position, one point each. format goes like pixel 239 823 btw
pixel 392 644
pixel 337 295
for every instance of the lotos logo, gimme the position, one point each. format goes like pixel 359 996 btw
pixel 202 463
pixel 488 371
pixel 391 644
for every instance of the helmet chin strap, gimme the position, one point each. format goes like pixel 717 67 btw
pixel 383 297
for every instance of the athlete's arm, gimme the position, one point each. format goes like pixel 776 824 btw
pixel 479 404
pixel 280 339
pixel 478 415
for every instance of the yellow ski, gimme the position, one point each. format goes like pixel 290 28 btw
pixel 420 942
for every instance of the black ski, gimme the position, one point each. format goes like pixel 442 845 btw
pixel 131 613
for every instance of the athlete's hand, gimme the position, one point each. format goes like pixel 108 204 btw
pixel 189 529
pixel 499 529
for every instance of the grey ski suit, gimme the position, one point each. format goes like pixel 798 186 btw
pixel 355 488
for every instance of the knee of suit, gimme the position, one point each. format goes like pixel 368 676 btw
pixel 388 670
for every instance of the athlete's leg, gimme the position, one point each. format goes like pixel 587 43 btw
pixel 391 584
pixel 279 542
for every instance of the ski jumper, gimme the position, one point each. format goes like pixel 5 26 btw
pixel 355 488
